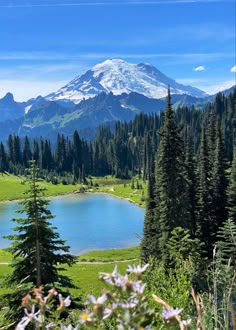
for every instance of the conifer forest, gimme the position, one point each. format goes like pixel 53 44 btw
pixel 187 158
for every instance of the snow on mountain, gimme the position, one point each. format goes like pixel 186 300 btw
pixel 118 76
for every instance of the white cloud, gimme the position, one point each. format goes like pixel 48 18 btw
pixel 233 69
pixel 200 68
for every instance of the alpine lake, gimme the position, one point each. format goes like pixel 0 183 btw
pixel 85 221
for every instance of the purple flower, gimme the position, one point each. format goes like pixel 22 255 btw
pixel 64 302
pixel 171 313
pixel 138 287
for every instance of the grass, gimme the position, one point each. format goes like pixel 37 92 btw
pixel 123 190
pixel 5 256
pixel 13 187
pixel 111 255
pixel 84 276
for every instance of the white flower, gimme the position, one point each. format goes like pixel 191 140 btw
pixel 171 313
pixel 120 281
pixel 99 300
pixel 108 276
pixel 138 287
pixel 65 302
pixel 138 270
pixel 30 316
pixel 127 305
pixel 186 323
pixel 23 323
pixel 68 327
pixel 50 325
pixel 85 317
pixel 109 310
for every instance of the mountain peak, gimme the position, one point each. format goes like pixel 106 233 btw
pixel 118 76
pixel 8 97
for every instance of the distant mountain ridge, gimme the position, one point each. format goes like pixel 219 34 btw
pixel 111 91
pixel 118 77
pixel 48 118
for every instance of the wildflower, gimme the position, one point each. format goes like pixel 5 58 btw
pixel 23 323
pixel 29 316
pixel 51 293
pixel 26 301
pixel 107 277
pixel 138 287
pixel 50 325
pixel 99 300
pixel 186 323
pixel 63 303
pixel 69 327
pixel 109 310
pixel 32 316
pixel 133 303
pixel 138 270
pixel 85 317
pixel 121 281
pixel 171 313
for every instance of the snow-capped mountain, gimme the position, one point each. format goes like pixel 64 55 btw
pixel 118 76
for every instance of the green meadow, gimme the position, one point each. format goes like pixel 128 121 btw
pixel 13 187
pixel 84 275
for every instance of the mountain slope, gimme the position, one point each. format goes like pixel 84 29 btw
pixel 118 76
pixel 10 109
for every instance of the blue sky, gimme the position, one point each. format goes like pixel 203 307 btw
pixel 46 43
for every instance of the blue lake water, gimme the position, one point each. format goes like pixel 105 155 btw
pixel 86 222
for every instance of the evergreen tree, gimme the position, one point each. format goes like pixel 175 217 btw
pixel 150 229
pixel 219 184
pixel 205 204
pixel 37 249
pixel 3 159
pixel 27 154
pixel 191 176
pixel 227 241
pixel 170 190
pixel 232 190
pixel 171 185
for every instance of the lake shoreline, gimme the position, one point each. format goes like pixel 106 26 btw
pixel 74 194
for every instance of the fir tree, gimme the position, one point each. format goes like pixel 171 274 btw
pixel 227 241
pixel 171 203
pixel 150 229
pixel 232 190
pixel 191 176
pixel 170 190
pixel 37 249
pixel 219 184
pixel 205 203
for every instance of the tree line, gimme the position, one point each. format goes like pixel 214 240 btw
pixel 191 200
pixel 122 152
